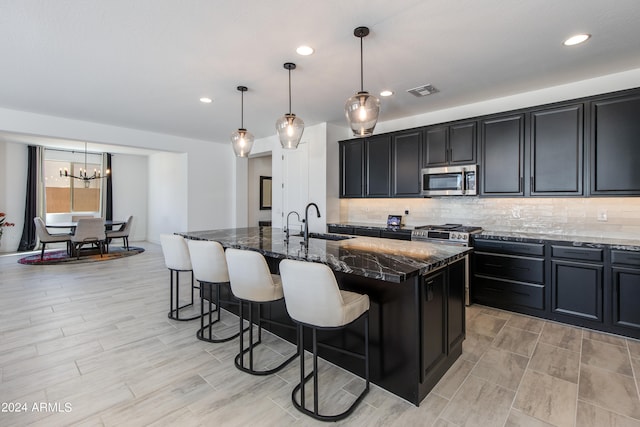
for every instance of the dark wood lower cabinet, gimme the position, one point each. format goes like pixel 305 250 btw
pixel 626 298
pixel 589 285
pixel 576 290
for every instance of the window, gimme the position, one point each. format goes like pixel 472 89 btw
pixel 65 194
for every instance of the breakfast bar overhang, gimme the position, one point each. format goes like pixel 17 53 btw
pixel 416 290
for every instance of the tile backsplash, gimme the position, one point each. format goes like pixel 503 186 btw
pixel 614 217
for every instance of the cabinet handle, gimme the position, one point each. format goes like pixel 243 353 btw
pixel 521 184
pixel 531 184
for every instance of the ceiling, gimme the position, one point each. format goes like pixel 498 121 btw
pixel 144 64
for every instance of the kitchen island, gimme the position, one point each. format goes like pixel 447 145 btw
pixel 416 290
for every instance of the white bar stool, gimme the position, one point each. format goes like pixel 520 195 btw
pixel 177 260
pixel 314 300
pixel 253 283
pixel 210 269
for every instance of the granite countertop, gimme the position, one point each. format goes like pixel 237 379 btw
pixel 384 259
pixel 613 243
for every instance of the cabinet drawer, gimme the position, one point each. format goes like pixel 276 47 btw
pixel 339 229
pixel 516 248
pixel 366 232
pixel 625 257
pixel 493 291
pixel 571 252
pixel 510 267
pixel 398 235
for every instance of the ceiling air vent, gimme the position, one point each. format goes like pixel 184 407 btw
pixel 423 90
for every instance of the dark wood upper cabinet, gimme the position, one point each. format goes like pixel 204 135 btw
pixel 352 168
pixel 450 145
pixel 378 166
pixel 502 151
pixel 557 151
pixel 406 164
pixel 615 146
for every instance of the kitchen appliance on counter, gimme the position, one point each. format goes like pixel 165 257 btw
pixel 449 181
pixel 455 234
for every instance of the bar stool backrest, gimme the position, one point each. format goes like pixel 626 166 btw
pixel 311 293
pixel 176 252
pixel 250 276
pixel 208 261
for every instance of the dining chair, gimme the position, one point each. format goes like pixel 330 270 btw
pixel 45 237
pixel 89 231
pixel 122 233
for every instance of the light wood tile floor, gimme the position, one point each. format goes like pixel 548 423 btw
pixel 91 344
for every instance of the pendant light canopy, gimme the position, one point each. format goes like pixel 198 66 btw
pixel 362 109
pixel 289 127
pixel 242 140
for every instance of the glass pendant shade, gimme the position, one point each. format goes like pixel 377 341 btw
pixel 242 142
pixel 290 129
pixel 362 111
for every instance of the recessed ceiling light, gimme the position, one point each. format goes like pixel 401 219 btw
pixel 304 50
pixel 205 100
pixel 577 39
pixel 386 93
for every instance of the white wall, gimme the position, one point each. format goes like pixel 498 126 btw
pixel 13 187
pixel 167 199
pixel 130 183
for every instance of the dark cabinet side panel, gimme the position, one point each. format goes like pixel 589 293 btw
pixel 378 166
pixel 557 151
pixel 351 168
pixel 406 164
pixel 502 156
pixel 626 297
pixel 615 138
pixel 462 143
pixel 435 147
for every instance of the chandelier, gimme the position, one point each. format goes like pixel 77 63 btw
pixel 82 174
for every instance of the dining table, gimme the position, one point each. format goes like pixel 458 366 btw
pixel 71 225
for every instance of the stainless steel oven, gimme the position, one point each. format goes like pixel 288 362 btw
pixel 451 234
pixel 449 181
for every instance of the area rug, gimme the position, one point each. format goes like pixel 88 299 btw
pixel 61 256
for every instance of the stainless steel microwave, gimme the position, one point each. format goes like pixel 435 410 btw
pixel 450 181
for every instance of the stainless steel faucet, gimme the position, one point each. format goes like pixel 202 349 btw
pixel 306 221
pixel 287 230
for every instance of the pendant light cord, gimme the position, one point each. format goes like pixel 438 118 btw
pixel 289 90
pixel 361 68
pixel 241 109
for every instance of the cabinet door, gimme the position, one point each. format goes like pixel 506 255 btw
pixel 577 290
pixel 434 345
pixel 557 151
pixel 626 295
pixel 502 156
pixel 462 143
pixel 458 273
pixel 378 166
pixel 406 164
pixel 615 134
pixel 436 146
pixel 351 168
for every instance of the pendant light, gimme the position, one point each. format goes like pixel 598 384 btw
pixel 289 127
pixel 362 109
pixel 242 140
